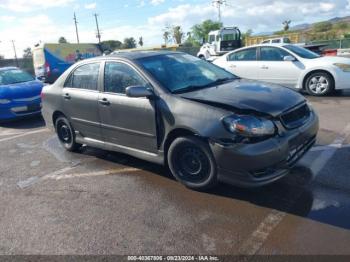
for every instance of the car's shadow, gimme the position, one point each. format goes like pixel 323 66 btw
pixel 337 94
pixel 24 123
pixel 292 194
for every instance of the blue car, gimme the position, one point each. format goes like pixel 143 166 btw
pixel 19 94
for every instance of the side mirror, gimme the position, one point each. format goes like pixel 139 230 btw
pixel 138 91
pixel 289 58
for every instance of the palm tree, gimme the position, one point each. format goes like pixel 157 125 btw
pixel 286 24
pixel 166 35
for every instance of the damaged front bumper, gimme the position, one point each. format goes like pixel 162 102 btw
pixel 258 164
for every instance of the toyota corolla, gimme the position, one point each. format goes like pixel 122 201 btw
pixel 173 109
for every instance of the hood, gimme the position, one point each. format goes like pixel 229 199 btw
pixel 248 95
pixel 331 60
pixel 21 90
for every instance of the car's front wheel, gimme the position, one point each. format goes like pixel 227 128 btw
pixel 65 133
pixel 319 84
pixel 192 163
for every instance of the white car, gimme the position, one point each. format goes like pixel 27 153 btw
pixel 289 65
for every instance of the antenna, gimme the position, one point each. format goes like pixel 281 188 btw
pixel 76 27
pixel 218 4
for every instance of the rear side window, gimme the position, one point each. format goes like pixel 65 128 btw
pixel 119 76
pixel 84 77
pixel 244 55
pixel 272 54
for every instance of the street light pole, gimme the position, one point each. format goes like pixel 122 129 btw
pixel 76 27
pixel 14 50
pixel 218 4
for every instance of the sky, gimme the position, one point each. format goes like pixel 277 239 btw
pixel 29 21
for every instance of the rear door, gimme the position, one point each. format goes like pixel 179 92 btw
pixel 273 68
pixel 80 100
pixel 243 63
pixel 125 121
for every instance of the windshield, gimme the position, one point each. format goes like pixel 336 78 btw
pixel 183 73
pixel 14 76
pixel 302 52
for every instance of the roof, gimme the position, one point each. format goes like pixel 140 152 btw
pixel 270 44
pixel 133 55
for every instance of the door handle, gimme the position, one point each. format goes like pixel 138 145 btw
pixel 264 67
pixel 67 96
pixel 233 66
pixel 104 102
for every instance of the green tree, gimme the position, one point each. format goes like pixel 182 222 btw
pixel 141 41
pixel 111 45
pixel 129 42
pixel 62 40
pixel 190 41
pixel 322 26
pixel 286 25
pixel 27 53
pixel 201 31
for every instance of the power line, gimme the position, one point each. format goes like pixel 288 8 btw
pixel 98 35
pixel 76 27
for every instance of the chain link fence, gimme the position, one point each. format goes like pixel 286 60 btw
pixel 334 44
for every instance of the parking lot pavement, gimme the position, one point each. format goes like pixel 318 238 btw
pixel 98 202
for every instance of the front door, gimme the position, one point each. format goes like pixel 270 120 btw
pixel 80 100
pixel 273 68
pixel 243 63
pixel 125 121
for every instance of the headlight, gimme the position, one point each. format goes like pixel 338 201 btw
pixel 344 67
pixel 249 126
pixel 4 101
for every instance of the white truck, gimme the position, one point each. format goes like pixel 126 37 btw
pixel 220 42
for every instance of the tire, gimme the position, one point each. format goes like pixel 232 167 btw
pixel 66 134
pixel 319 84
pixel 191 162
pixel 202 57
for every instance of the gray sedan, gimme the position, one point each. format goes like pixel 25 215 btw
pixel 173 109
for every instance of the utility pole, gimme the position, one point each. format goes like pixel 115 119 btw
pixel 98 35
pixel 14 50
pixel 218 4
pixel 76 27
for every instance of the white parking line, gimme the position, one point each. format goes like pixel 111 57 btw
pixel 61 174
pixel 254 243
pixel 24 134
pixel 92 174
pixel 327 147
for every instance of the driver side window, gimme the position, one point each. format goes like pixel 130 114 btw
pixel 119 76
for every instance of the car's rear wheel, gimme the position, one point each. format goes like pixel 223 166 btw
pixel 66 135
pixel 192 163
pixel 319 84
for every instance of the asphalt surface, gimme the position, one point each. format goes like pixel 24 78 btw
pixel 98 202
